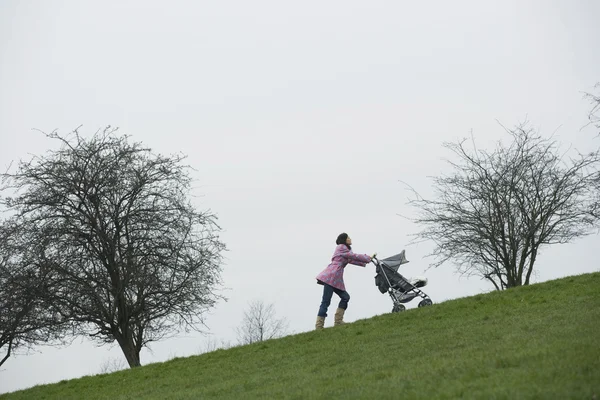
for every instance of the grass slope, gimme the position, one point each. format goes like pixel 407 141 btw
pixel 535 342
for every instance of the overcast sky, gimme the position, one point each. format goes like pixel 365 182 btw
pixel 300 118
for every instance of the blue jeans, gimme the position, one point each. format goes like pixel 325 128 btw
pixel 328 291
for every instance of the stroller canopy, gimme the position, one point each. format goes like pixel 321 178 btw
pixel 396 261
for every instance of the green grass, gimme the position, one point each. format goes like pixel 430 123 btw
pixel 535 342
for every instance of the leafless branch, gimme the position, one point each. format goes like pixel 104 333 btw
pixel 26 317
pixel 594 114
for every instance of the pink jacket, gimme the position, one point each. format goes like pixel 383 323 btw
pixel 334 273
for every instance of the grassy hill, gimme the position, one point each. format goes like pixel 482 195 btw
pixel 535 342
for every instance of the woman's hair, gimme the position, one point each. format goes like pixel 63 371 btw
pixel 341 239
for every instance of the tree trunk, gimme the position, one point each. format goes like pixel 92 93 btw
pixel 530 268
pixel 511 275
pixel 129 350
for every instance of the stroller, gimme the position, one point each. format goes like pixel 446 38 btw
pixel 401 290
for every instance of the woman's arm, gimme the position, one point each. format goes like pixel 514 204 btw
pixel 357 259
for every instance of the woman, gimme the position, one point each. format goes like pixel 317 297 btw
pixel 332 279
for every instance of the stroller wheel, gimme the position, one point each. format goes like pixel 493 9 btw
pixel 398 308
pixel 425 302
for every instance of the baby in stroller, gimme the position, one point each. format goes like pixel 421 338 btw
pixel 401 290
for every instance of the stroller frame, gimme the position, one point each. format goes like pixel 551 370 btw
pixel 400 296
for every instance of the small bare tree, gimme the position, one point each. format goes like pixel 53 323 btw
pixel 260 323
pixel 112 365
pixel 135 261
pixel 494 211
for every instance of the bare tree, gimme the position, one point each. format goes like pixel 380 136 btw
pixel 136 262
pixel 112 365
pixel 494 211
pixel 26 319
pixel 260 323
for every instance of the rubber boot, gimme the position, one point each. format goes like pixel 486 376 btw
pixel 339 317
pixel 320 323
